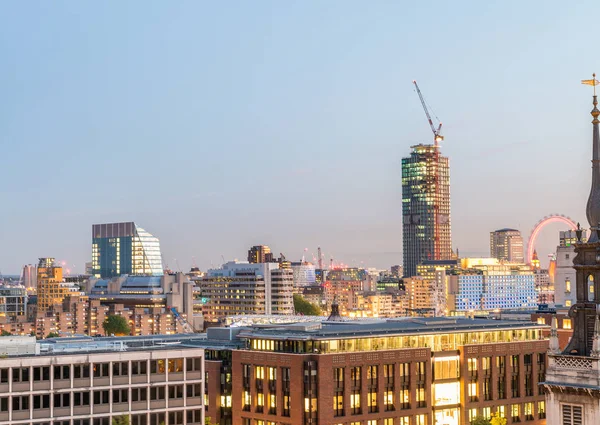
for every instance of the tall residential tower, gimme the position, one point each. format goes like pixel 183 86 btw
pixel 425 207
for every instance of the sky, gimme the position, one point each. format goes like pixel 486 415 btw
pixel 221 125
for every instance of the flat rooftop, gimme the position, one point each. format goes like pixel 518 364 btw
pixel 389 327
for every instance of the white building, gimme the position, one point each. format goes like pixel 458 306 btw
pixel 565 291
pixel 304 274
pixel 247 288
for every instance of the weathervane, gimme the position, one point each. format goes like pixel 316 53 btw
pixel 592 82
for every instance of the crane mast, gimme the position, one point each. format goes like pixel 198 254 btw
pixel 435 179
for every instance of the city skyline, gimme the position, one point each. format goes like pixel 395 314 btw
pixel 325 119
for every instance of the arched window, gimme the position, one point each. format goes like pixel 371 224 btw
pixel 590 287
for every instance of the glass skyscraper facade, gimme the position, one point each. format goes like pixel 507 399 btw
pixel 124 248
pixel 425 207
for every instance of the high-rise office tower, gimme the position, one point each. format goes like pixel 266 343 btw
pixel 425 207
pixel 124 248
pixel 260 254
pixel 507 245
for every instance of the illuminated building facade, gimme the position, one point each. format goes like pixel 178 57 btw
pixel 426 229
pixel 247 288
pixel 507 245
pixel 395 372
pixel 13 301
pixel 51 287
pixel 260 254
pixel 485 284
pixel 124 248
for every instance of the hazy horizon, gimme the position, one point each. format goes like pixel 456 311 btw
pixel 217 127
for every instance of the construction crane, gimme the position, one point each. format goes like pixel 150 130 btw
pixel 187 328
pixel 437 136
pixel 434 180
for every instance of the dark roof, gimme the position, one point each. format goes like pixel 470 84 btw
pixel 400 326
pixel 506 229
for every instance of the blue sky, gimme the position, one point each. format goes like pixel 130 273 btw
pixel 220 125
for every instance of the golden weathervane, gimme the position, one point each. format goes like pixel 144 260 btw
pixel 592 82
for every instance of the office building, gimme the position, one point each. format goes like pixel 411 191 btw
pixel 260 254
pixel 304 274
pixel 572 383
pixel 93 381
pixel 389 372
pixel 51 287
pixel 426 229
pixel 507 245
pixel 239 288
pixel 484 284
pixel 124 248
pixel 13 301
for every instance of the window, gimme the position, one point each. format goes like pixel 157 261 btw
pixel 260 372
pixel 420 420
pixel 193 364
pixel 4 376
pixel 372 376
pixel 372 402
pixel 41 373
pixel 21 374
pixel 225 401
pixel 246 401
pixel 338 377
pixel 355 402
pixel 157 393
pixel 139 394
pixel 372 422
pixel 421 401
pixel 472 366
pixel 541 408
pixel 120 368
pixel 541 321
pixel 62 400
pixel 355 376
pixel 567 303
pixel 286 405
pixel 120 396
pixel 80 371
pixel 501 411
pixel 473 391
pixel 388 373
pixel 101 370
pixel 566 323
pixel 175 365
pixel 260 402
pixel 528 411
pixel 272 404
pixel 176 391
pixel 515 413
pixel 472 414
pixel 572 414
pixel 388 400
pixel 338 405
pixel 568 285
pixel 388 421
pixel 194 390
pixel 43 401
pixel 101 397
pixel 404 398
pixel 404 420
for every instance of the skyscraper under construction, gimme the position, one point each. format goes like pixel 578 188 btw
pixel 425 207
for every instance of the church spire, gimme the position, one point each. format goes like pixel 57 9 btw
pixel 593 204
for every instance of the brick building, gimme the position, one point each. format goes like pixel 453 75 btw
pixel 395 372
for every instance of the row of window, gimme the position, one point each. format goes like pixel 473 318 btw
pixel 100 370
pixel 175 418
pixel 42 401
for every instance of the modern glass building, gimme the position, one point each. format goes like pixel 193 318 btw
pixel 124 248
pixel 425 207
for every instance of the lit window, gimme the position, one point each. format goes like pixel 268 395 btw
pixel 566 323
pixel 568 303
pixel 541 321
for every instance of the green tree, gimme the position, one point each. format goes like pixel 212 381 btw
pixel 497 420
pixel 121 420
pixel 52 335
pixel 116 325
pixel 207 421
pixel 301 306
pixel 5 333
pixel 480 420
